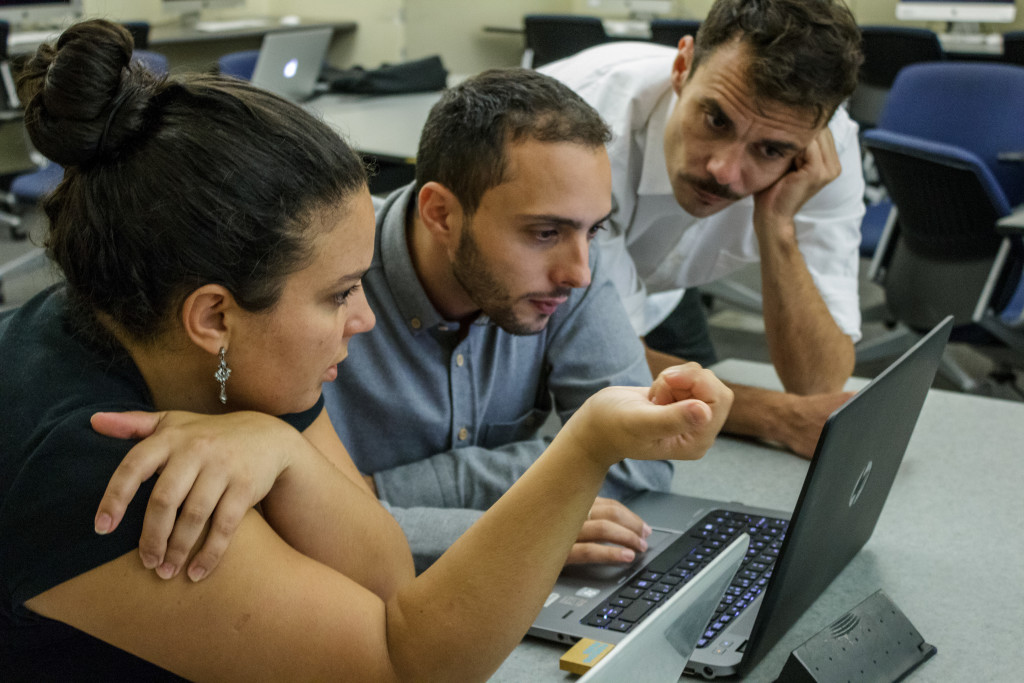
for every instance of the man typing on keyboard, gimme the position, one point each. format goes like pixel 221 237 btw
pixel 492 313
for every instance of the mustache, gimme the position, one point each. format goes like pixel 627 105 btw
pixel 711 186
pixel 561 292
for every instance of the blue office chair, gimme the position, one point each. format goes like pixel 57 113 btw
pixel 669 31
pixel 238 64
pixel 154 61
pixel 550 37
pixel 937 147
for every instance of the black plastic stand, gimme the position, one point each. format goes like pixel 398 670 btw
pixel 872 642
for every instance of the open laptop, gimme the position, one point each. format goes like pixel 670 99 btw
pixel 289 62
pixel 792 558
pixel 658 648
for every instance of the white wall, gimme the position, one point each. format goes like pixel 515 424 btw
pixel 390 31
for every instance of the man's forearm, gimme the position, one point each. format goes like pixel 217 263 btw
pixel 811 354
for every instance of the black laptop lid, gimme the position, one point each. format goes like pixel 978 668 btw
pixel 859 452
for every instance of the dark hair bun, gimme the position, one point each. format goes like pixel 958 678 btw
pixel 84 99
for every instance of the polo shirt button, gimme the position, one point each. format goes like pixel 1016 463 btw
pixel 463 434
pixel 416 324
pixel 460 360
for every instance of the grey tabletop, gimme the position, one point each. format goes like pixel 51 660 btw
pixel 250 27
pixel 947 549
pixel 386 126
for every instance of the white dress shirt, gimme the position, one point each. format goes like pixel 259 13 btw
pixel 653 248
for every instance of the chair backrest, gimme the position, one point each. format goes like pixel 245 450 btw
pixel 554 36
pixel 5 30
pixel 238 64
pixel 140 33
pixel 154 61
pixel 972 105
pixel 30 188
pixel 669 31
pixel 887 49
pixel 1013 47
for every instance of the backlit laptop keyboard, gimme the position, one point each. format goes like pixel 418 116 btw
pixel 686 556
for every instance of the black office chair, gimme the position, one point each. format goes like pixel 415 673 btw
pixel 669 31
pixel 887 49
pixel 937 147
pixel 550 37
pixel 1013 47
pixel 140 33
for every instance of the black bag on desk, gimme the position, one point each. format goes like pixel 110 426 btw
pixel 418 75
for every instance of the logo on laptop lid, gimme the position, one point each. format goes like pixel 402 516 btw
pixel 862 480
pixel 291 68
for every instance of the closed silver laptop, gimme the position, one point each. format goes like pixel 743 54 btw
pixel 289 62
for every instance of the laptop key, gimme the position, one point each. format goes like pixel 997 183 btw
pixel 637 610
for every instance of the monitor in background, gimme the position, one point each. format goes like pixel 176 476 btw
pixel 222 4
pixel 957 12
pixel 634 9
pixel 29 14
pixel 189 10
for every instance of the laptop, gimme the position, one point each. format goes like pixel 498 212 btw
pixel 792 557
pixel 289 62
pixel 658 648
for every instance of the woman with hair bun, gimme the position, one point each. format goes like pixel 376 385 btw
pixel 212 237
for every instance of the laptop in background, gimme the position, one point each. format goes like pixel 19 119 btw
pixel 792 558
pixel 657 649
pixel 289 62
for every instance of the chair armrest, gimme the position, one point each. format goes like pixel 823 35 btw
pixel 1012 224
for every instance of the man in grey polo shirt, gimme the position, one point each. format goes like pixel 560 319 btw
pixel 492 311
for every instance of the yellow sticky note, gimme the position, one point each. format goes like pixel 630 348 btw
pixel 583 655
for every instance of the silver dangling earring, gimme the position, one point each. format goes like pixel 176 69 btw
pixel 222 374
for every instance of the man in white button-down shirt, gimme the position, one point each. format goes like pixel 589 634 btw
pixel 730 151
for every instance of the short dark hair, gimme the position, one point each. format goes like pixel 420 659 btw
pixel 174 182
pixel 804 53
pixel 464 141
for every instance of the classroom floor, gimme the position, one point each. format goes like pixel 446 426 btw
pixel 737 333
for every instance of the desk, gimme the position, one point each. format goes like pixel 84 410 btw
pixel 385 126
pixel 953 514
pixel 976 45
pixel 186 47
pixel 617 29
pixel 169 34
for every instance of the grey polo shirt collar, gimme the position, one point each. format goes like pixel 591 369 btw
pixel 411 300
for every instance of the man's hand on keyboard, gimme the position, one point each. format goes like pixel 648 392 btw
pixel 609 522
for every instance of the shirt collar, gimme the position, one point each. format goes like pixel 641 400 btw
pixel 407 292
pixel 653 175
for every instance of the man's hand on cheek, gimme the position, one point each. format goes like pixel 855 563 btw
pixel 812 169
